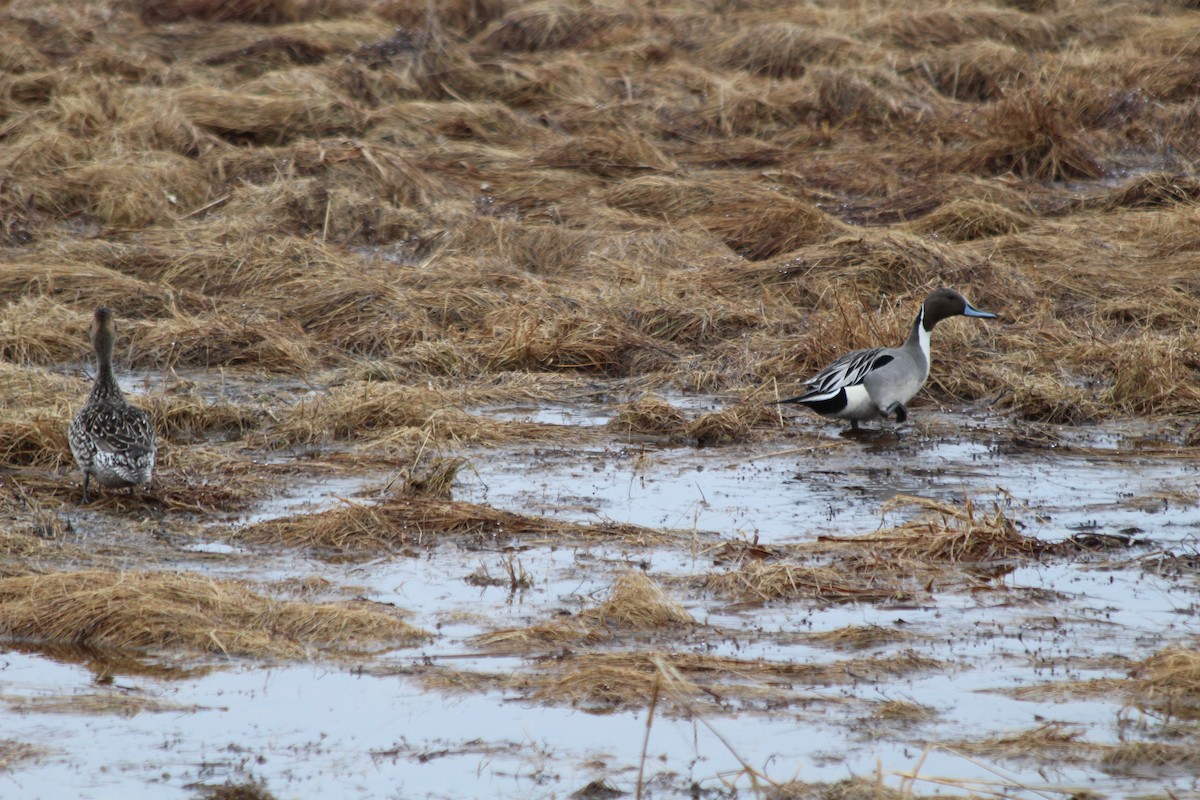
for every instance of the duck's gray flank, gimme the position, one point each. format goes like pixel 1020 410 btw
pixel 112 441
pixel 878 382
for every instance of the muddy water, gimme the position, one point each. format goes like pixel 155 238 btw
pixel 375 730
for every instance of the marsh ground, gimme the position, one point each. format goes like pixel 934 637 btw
pixel 460 326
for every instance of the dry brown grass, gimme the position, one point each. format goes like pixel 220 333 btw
pixel 1151 758
pixel 122 705
pixel 635 603
pixel 948 533
pixel 1168 682
pixel 396 417
pixel 496 186
pixel 13 753
pixel 234 790
pixel 1064 740
pixel 358 527
pixel 653 416
pixel 760 582
pixel 858 637
pixel 639 603
pixel 183 611
pixel 604 682
pixel 943 549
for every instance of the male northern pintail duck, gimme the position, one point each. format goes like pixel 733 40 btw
pixel 877 382
pixel 111 440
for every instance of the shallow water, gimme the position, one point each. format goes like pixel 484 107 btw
pixel 313 730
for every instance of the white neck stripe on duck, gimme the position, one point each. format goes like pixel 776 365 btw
pixel 922 333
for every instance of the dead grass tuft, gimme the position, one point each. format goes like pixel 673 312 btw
pixel 759 582
pixel 393 416
pixel 1153 190
pixel 433 478
pixel 649 415
pixel 782 49
pixel 134 191
pixel 1052 737
pixel 977 72
pixel 858 637
pixel 231 790
pixel 653 416
pixel 760 228
pixel 34 413
pixel 615 154
pixel 1154 373
pixel 639 603
pixel 667 197
pixel 122 705
pixel 634 603
pixel 1047 398
pixel 966 220
pixel 419 520
pixel 949 533
pixel 267 113
pixel 1036 134
pixel 184 416
pixel 44 293
pixel 733 424
pixel 901 711
pixel 36 437
pixel 183 611
pixel 603 681
pixel 260 12
pixel 1146 759
pixel 464 16
pixel 920 30
pixel 552 25
pixel 212 341
pixel 13 753
pixel 1168 681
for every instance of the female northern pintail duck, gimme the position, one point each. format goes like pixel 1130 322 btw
pixel 877 382
pixel 111 440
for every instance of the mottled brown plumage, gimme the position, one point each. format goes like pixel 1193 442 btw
pixel 111 440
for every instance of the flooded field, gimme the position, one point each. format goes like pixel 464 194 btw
pixel 460 328
pixel 1004 677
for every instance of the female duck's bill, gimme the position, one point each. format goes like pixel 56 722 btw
pixel 878 382
pixel 111 440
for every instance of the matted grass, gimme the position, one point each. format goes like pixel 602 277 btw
pixel 397 416
pixel 190 613
pixel 654 416
pixel 946 533
pixel 759 582
pixel 942 549
pixel 413 519
pixel 603 681
pixel 12 753
pixel 118 704
pixel 521 165
pixel 635 603
pixel 1168 682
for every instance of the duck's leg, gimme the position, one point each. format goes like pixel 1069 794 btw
pixel 899 410
pixel 853 424
pixel 86 476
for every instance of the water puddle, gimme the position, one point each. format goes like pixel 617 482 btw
pixel 809 491
pixel 382 729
